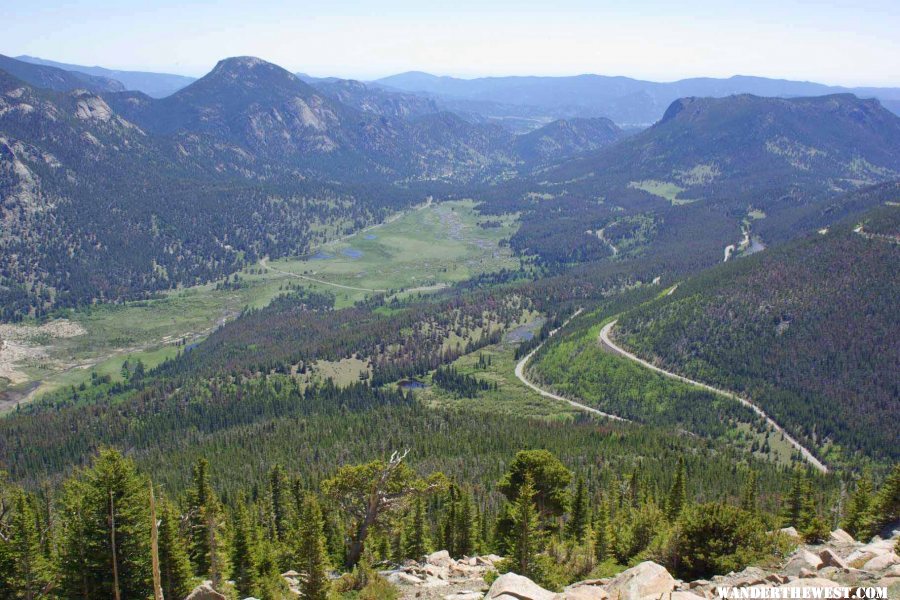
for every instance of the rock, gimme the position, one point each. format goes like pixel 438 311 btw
pixel 292 574
pixel 806 574
pixel 511 586
pixel 205 591
pixel 815 582
pixel 790 531
pixel 645 579
pixel 839 536
pixel 698 583
pixel 676 596
pixel 882 562
pixel 441 558
pixel 830 559
pixel 436 571
pixel 857 558
pixel 401 578
pixel 464 595
pixel 894 571
pixel 433 582
pixel 800 560
pixel 580 591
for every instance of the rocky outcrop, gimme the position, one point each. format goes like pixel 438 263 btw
pixel 841 562
pixel 205 591
pixel 515 587
pixel 645 579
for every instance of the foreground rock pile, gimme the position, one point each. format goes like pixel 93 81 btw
pixel 840 562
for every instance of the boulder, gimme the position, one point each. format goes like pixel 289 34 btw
pixel 882 562
pixel 401 578
pixel 839 536
pixel 645 579
pixel 682 595
pixel 583 592
pixel 441 558
pixel 815 582
pixel 800 560
pixel 790 531
pixel 436 571
pixel 464 595
pixel 510 585
pixel 830 559
pixel 205 591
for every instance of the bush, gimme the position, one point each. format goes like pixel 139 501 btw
pixel 716 538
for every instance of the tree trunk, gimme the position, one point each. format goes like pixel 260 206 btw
pixel 154 548
pixel 112 539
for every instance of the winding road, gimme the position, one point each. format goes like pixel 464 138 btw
pixel 520 374
pixel 607 342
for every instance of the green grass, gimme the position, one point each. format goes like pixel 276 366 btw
pixel 437 244
pixel 511 397
pixel 663 189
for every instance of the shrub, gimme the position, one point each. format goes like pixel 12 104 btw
pixel 717 538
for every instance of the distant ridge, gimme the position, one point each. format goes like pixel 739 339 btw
pixel 155 85
pixel 57 79
pixel 625 100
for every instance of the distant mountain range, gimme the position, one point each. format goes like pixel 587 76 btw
pixel 156 85
pixel 518 103
pixel 109 194
pixel 624 100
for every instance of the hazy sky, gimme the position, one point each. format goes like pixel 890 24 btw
pixel 838 42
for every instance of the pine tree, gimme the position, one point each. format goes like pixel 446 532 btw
pixel 526 535
pixel 577 526
pixel 278 494
pixel 105 550
pixel 204 524
pixel 242 549
pixel 416 541
pixel 885 508
pixel 603 535
pixel 465 533
pixel 859 506
pixel 174 565
pixel 748 495
pixel 27 570
pixel 793 508
pixel 448 529
pixel 314 566
pixel 677 493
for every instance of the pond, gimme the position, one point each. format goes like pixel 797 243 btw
pixel 411 384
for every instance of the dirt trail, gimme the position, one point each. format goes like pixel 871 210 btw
pixel 607 342
pixel 520 374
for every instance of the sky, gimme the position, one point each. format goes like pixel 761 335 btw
pixel 834 42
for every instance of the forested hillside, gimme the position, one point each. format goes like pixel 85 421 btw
pixel 808 331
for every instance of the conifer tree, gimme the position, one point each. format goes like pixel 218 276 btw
pixel 416 540
pixel 105 550
pixel 577 526
pixel 793 507
pixel 242 549
pixel 448 528
pixel 24 571
pixel 859 506
pixel 278 494
pixel 603 535
pixel 174 565
pixel 885 508
pixel 748 495
pixel 677 497
pixel 465 533
pixel 314 557
pixel 526 535
pixel 204 524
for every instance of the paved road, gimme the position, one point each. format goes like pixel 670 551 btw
pixel 611 345
pixel 520 373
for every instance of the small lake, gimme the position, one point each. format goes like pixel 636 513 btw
pixel 352 252
pixel 371 236
pixel 411 384
pixel 321 255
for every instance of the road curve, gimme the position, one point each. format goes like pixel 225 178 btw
pixel 520 374
pixel 606 341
